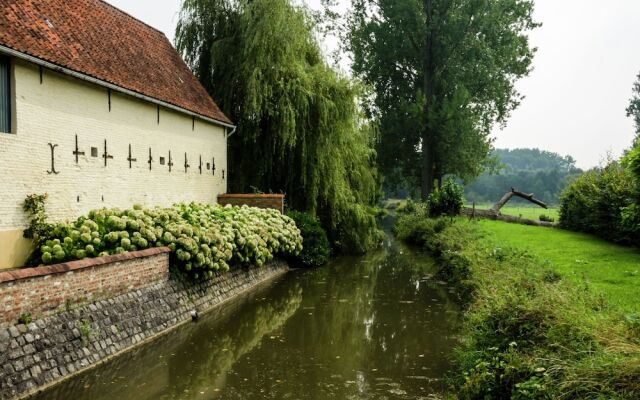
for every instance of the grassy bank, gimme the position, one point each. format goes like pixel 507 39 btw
pixel 532 330
pixel 608 269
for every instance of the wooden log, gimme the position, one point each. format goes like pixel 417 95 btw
pixel 507 196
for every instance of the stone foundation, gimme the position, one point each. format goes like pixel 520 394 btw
pixel 79 336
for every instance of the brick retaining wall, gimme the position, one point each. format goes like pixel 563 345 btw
pixel 42 290
pixel 275 201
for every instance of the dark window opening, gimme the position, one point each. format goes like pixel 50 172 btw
pixel 94 152
pixel 161 160
pixel 5 95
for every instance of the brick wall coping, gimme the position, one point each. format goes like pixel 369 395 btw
pixel 251 196
pixel 25 273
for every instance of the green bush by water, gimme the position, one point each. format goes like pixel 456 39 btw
pixel 315 245
pixel 447 199
pixel 529 333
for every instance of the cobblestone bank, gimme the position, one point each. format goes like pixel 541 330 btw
pixel 55 347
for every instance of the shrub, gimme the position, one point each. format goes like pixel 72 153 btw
pixel 446 200
pixel 546 218
pixel 315 245
pixel 34 207
pixel 631 213
pixel 202 238
pixel 595 201
pixel 406 207
pixel 415 227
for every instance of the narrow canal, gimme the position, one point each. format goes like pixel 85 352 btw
pixel 370 327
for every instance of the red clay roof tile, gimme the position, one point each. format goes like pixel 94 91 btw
pixel 94 38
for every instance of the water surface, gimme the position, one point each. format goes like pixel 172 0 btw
pixel 368 327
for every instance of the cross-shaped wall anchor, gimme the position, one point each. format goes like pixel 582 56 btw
pixel 186 163
pixel 106 155
pixel 213 166
pixel 131 159
pixel 77 151
pixel 200 167
pixel 150 161
pixel 170 164
pixel 222 174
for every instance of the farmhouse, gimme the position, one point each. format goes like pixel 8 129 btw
pixel 97 109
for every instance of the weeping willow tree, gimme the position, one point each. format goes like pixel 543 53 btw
pixel 300 130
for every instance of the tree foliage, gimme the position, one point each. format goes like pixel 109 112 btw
pixel 594 203
pixel 531 170
pixel 633 110
pixel 300 129
pixel 443 72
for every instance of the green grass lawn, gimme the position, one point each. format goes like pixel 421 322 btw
pixel 609 269
pixel 530 212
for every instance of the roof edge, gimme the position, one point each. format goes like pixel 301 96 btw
pixel 108 85
pixel 132 17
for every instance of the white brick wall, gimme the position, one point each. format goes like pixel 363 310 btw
pixel 61 107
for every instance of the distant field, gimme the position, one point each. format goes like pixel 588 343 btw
pixel 524 211
pixel 609 269
pixel 527 212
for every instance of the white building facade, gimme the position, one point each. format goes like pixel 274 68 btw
pixel 90 144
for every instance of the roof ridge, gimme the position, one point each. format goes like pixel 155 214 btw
pixel 134 18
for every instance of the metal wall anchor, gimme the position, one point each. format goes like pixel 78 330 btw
pixel 53 161
pixel 130 159
pixel 77 151
pixel 106 155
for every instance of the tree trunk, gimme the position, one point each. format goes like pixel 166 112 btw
pixel 428 165
pixel 428 135
pixel 496 207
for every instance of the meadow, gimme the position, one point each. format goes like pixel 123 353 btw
pixel 609 269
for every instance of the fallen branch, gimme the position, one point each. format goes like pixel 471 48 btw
pixel 490 214
pixel 505 199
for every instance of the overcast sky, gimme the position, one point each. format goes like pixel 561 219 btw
pixel 588 58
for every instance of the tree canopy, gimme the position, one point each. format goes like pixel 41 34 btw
pixel 531 170
pixel 300 129
pixel 633 110
pixel 443 72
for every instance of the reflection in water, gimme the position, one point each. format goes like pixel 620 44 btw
pixel 369 327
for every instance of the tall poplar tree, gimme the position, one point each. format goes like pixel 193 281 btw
pixel 300 130
pixel 444 73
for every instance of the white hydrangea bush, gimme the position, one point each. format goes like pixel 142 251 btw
pixel 203 238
